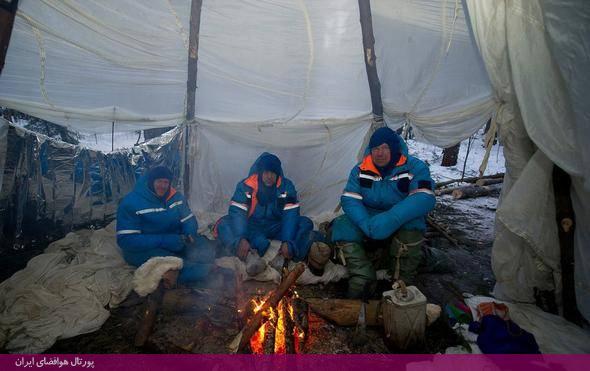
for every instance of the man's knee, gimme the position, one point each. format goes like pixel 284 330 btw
pixel 344 230
pixel 407 245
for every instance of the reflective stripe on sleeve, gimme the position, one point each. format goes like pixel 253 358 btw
pixel 148 211
pixel 239 205
pixel 422 190
pixel 129 231
pixel 186 218
pixel 291 206
pixel 352 195
pixel 177 203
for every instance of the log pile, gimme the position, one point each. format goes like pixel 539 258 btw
pixel 277 323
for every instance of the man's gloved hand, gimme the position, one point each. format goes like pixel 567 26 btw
pixel 188 240
pixel 243 249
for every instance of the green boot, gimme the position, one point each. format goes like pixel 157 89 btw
pixel 362 276
pixel 407 245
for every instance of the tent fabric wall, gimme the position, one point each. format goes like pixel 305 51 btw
pixel 85 64
pixel 537 123
pixel 432 76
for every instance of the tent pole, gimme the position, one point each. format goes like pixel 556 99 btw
pixel 7 13
pixel 113 136
pixel 191 83
pixel 371 61
pixel 566 225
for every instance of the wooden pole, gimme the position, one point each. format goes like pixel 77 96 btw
pixel 191 83
pixel 371 60
pixel 566 225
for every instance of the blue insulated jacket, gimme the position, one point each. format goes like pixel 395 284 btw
pixel 145 221
pixel 245 212
pixel 380 204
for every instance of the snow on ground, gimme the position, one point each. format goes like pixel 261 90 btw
pixel 433 156
pixel 102 142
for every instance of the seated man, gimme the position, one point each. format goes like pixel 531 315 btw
pixel 386 198
pixel 265 207
pixel 155 220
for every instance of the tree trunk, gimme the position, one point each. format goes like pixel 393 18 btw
pixel 450 155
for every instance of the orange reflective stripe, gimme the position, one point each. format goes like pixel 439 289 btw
pixel 368 165
pixel 252 182
pixel 171 193
pixel 279 182
pixel 402 160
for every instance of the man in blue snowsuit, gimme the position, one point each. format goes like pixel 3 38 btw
pixel 386 198
pixel 155 220
pixel 265 207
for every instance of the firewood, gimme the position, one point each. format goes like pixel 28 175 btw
pixel 301 320
pixel 289 326
pixel 486 182
pixel 152 305
pixel 345 312
pixel 270 328
pixel 472 192
pixel 260 316
pixel 468 180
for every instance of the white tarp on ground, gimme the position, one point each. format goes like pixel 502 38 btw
pixel 63 292
pixel 535 70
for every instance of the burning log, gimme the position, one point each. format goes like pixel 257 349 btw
pixel 269 329
pixel 262 312
pixel 287 326
pixel 300 321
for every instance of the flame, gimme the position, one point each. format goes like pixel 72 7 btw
pixel 280 330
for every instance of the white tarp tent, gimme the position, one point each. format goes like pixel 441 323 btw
pixel 288 76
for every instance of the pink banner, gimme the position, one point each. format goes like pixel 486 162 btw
pixel 377 362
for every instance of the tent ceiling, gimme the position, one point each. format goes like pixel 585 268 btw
pixel 85 64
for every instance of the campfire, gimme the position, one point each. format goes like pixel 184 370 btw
pixel 282 332
pixel 277 323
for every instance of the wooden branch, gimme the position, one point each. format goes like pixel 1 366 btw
pixel 490 181
pixel 301 322
pixel 431 222
pixel 260 317
pixel 469 180
pixel 289 325
pixel 270 334
pixel 149 315
pixel 345 312
pixel 472 192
